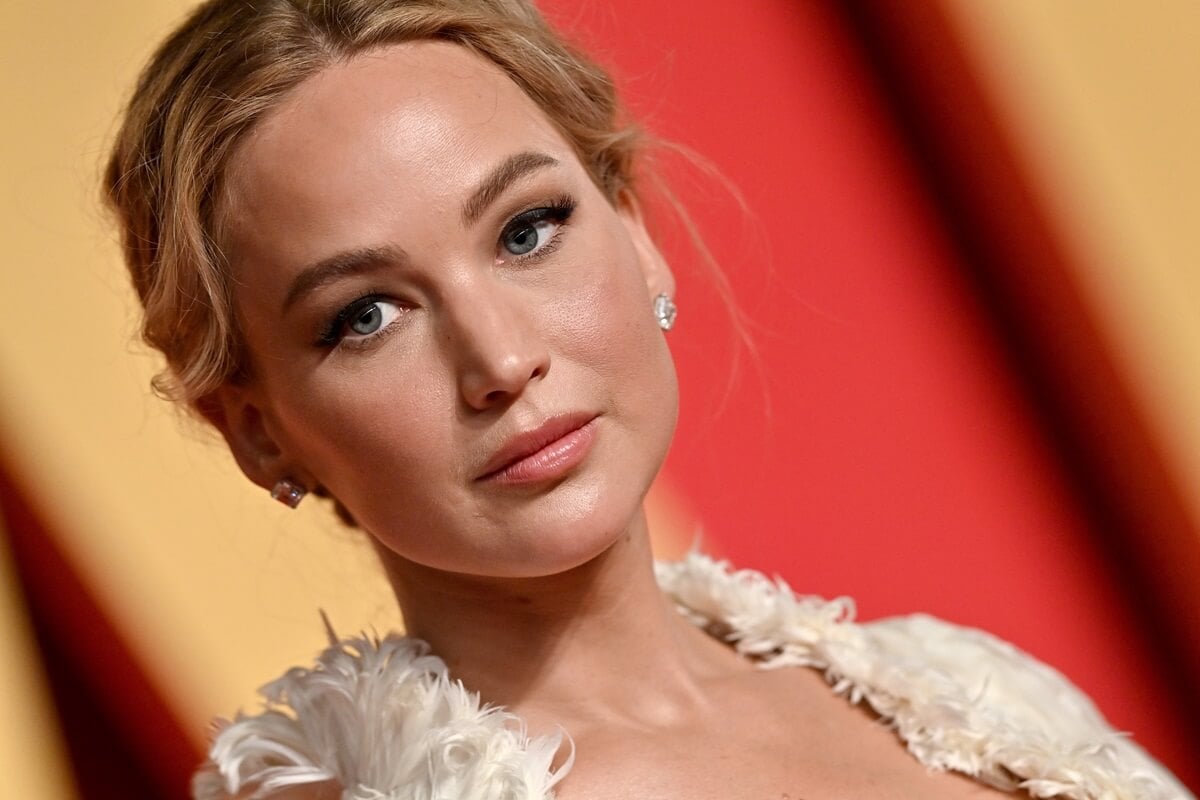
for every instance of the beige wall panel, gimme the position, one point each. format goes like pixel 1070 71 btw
pixel 1103 100
pixel 32 756
pixel 217 585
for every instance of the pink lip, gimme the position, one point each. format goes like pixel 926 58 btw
pixel 544 453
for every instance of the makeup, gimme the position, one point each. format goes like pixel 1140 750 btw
pixel 546 453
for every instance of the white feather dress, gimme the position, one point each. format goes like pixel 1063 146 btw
pixel 383 719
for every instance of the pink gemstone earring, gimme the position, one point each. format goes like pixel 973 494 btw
pixel 288 492
pixel 665 311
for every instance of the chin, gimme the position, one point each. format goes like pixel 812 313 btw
pixel 577 527
pixel 565 529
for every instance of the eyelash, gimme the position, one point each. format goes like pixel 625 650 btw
pixel 557 211
pixel 334 332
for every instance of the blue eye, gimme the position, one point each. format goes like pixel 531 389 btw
pixel 361 320
pixel 368 320
pixel 524 240
pixel 530 232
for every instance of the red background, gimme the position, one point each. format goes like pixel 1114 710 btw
pixel 882 443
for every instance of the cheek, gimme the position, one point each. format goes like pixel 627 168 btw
pixel 368 425
pixel 609 333
pixel 608 323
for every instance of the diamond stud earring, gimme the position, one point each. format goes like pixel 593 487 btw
pixel 665 311
pixel 288 492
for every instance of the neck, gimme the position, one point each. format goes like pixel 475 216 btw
pixel 565 646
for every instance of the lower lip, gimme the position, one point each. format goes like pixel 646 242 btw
pixel 551 462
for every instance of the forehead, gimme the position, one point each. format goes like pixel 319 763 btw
pixel 418 122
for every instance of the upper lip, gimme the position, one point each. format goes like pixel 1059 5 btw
pixel 529 442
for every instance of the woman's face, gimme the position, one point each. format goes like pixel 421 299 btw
pixel 431 288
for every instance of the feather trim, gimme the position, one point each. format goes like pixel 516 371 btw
pixel 959 698
pixel 383 719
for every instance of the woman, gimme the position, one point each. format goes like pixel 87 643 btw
pixel 394 253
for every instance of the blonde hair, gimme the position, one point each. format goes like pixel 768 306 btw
pixel 227 66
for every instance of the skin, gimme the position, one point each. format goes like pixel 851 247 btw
pixel 479 345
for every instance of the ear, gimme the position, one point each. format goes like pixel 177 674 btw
pixel 238 414
pixel 659 278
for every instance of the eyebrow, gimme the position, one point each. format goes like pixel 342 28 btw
pixel 495 182
pixel 369 259
pixel 344 264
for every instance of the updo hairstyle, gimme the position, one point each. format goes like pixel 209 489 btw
pixel 229 65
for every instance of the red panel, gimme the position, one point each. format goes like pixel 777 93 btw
pixel 124 739
pixel 879 445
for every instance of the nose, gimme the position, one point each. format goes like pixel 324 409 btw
pixel 498 351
